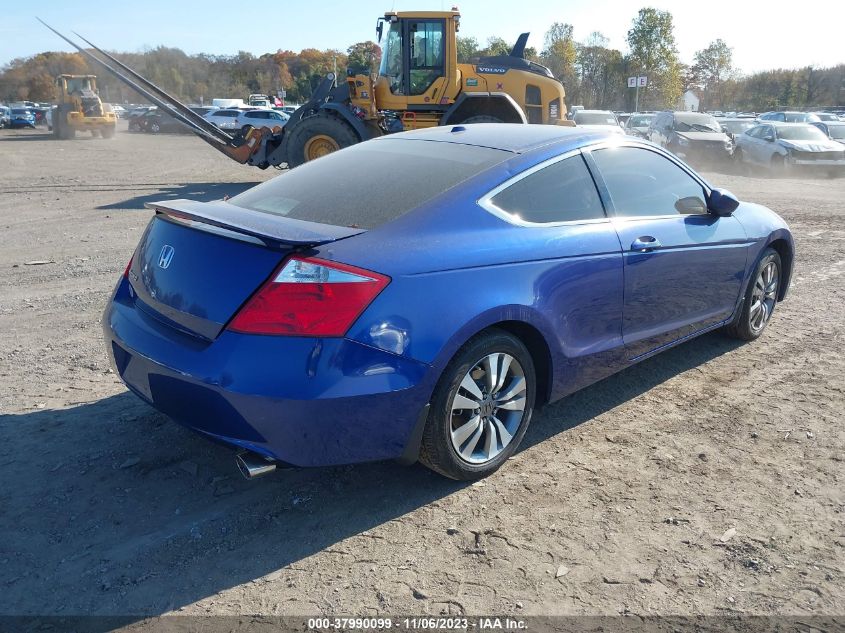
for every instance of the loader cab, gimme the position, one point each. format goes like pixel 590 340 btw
pixel 76 85
pixel 419 60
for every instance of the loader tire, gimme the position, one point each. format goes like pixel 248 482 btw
pixel 482 118
pixel 317 136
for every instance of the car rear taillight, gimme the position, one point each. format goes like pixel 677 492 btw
pixel 309 297
pixel 128 266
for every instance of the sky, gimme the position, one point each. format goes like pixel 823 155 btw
pixel 762 35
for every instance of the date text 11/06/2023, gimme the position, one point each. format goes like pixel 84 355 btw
pixel 422 623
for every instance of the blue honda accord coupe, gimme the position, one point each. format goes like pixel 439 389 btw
pixel 418 296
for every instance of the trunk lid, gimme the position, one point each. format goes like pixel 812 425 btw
pixel 197 263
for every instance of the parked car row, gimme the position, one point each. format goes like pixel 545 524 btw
pixel 151 119
pixel 778 141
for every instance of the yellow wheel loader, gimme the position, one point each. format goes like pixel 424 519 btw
pixel 419 84
pixel 80 108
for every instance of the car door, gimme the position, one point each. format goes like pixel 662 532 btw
pixel 766 146
pixel 682 265
pixel 580 291
pixel 753 144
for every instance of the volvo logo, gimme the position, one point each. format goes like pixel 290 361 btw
pixel 166 256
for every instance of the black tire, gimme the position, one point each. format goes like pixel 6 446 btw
pixel 741 327
pixel 436 450
pixel 740 166
pixel 154 127
pixel 482 118
pixel 330 132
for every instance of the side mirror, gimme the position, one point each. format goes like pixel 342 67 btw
pixel 769 138
pixel 722 202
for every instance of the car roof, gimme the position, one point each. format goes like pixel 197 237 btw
pixel 595 112
pixel 511 137
pixel 789 123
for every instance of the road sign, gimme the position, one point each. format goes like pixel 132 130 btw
pixel 641 81
pixel 632 82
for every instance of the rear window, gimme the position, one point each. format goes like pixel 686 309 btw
pixel 370 184
pixel 595 118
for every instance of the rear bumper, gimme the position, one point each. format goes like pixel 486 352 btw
pixel 303 401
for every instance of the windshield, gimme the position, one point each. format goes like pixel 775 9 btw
pixel 386 172
pixel 738 127
pixel 595 118
pixel 800 133
pixel 695 122
pixel 391 59
pixel 836 131
pixel 78 84
pixel 799 117
pixel 641 120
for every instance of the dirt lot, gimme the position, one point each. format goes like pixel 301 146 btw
pixel 708 480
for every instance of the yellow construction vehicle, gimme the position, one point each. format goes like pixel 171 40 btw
pixel 419 84
pixel 80 108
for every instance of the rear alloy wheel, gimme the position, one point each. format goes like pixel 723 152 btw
pixel 154 127
pixel 760 300
pixel 317 136
pixel 481 407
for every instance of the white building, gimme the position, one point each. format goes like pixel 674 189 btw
pixel 690 101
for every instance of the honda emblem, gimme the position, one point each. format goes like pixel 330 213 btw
pixel 166 256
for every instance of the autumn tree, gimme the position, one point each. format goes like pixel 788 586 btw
pixel 559 55
pixel 364 57
pixel 711 67
pixel 467 49
pixel 651 40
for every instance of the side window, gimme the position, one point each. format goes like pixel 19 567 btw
pixel 644 183
pixel 561 192
pixel 427 54
pixel 780 116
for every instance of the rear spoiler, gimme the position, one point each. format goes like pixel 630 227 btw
pixel 238 148
pixel 270 229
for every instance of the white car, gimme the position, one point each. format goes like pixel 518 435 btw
pixel 263 118
pixel 781 147
pixel 225 119
pixel 232 119
pixel 600 120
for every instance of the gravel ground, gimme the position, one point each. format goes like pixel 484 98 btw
pixel 707 480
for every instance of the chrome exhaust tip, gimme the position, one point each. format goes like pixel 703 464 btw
pixel 253 465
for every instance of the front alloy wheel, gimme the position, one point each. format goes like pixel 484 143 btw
pixel 760 299
pixel 481 407
pixel 764 297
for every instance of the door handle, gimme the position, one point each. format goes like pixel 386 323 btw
pixel 645 243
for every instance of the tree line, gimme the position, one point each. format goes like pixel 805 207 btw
pixel 594 74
